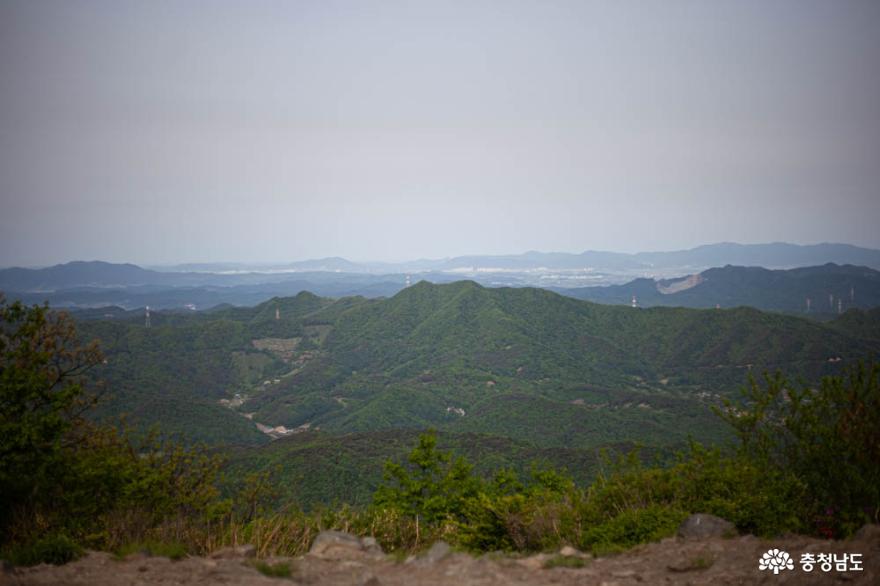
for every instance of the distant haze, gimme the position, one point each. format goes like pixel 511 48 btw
pixel 188 131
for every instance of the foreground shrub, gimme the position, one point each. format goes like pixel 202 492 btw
pixel 827 439
pixel 632 527
pixel 52 549
pixel 434 487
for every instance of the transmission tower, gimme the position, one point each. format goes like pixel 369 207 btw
pixel 147 317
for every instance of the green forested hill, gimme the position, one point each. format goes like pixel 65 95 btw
pixel 321 468
pixel 174 373
pixel 525 366
pixel 403 361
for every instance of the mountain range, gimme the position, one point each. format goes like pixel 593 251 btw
pixel 816 291
pixel 525 370
pixel 827 289
pixel 102 274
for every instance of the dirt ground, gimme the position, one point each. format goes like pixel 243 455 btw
pixel 712 561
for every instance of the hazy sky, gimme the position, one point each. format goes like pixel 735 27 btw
pixel 157 132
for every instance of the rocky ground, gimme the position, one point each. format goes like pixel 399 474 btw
pixel 338 559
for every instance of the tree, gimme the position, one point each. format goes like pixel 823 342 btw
pixel 435 487
pixel 827 437
pixel 63 477
pixel 42 398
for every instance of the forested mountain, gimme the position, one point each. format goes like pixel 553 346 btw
pixel 810 291
pixel 526 365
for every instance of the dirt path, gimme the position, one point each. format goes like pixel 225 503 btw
pixel 713 561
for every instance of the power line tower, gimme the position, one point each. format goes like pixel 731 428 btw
pixel 147 317
pixel 408 281
pixel 634 302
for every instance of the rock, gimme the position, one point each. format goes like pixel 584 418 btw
pixel 231 553
pixel 336 545
pixel 535 562
pixel 623 574
pixel 701 525
pixel 438 551
pixel 568 551
pixel 868 532
pixel 371 545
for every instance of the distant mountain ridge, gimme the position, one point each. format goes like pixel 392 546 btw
pixel 828 289
pixel 96 283
pixel 772 255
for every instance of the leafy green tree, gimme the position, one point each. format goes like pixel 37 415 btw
pixel 42 398
pixel 434 487
pixel 66 480
pixel 828 437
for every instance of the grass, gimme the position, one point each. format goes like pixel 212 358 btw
pixel 276 570
pixel 702 562
pixel 170 550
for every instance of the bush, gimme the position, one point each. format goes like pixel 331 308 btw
pixel 632 527
pixel 53 549
pixel 434 487
pixel 825 439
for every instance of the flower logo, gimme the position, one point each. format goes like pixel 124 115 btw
pixel 775 560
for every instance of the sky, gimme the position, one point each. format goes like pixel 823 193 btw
pixel 185 131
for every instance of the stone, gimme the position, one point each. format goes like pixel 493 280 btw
pixel 701 526
pixel 868 532
pixel 437 552
pixel 337 545
pixel 371 545
pixel 568 551
pixel 535 562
